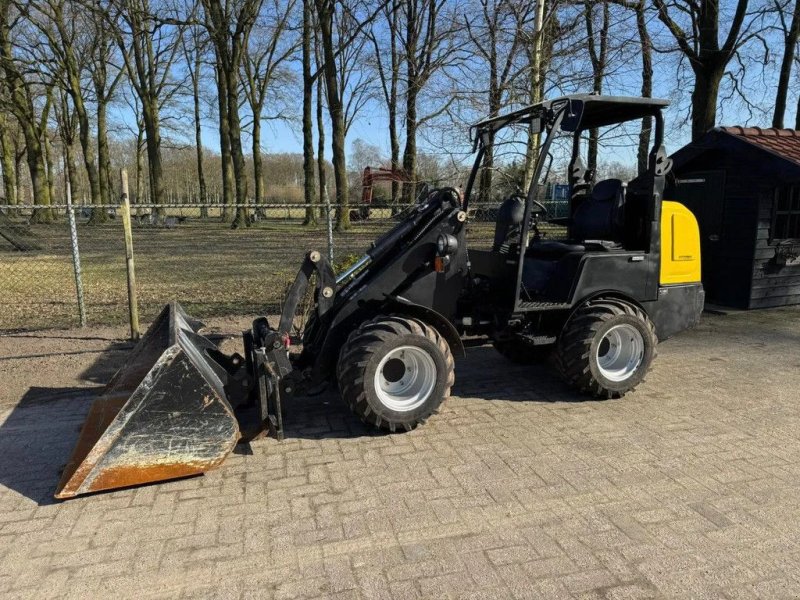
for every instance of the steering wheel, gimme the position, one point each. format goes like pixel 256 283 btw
pixel 536 204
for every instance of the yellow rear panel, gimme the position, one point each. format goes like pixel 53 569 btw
pixel 680 245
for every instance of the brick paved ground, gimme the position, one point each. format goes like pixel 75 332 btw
pixel 686 488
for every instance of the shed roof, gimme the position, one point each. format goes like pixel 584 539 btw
pixel 783 142
pixel 776 151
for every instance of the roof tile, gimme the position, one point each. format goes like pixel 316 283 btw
pixel 784 142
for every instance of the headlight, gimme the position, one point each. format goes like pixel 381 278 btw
pixel 446 244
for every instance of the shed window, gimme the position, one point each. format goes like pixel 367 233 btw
pixel 786 216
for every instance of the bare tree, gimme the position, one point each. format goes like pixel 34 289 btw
pixel 428 46
pixel 67 121
pixel 539 41
pixel 707 58
pixel 7 154
pixel 389 76
pixel 646 48
pixel 68 34
pixel 149 42
pixel 597 45
pixel 309 189
pixel 325 17
pixel 229 25
pixel 797 113
pixel 791 34
pixel 497 38
pixel 28 98
pixel 105 75
pixel 193 45
pixel 338 32
pixel 321 172
pixel 355 81
pixel 265 75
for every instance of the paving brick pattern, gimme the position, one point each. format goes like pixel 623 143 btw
pixel 518 489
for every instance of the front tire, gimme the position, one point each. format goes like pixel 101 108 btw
pixel 394 372
pixel 606 348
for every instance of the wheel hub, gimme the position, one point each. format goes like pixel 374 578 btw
pixel 405 378
pixel 394 370
pixel 620 352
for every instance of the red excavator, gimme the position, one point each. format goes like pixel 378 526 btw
pixel 368 178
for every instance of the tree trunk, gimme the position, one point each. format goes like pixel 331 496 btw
pixel 485 184
pixel 237 154
pixel 67 132
pixel 797 116
pixel 323 178
pixel 538 59
pixel 258 163
pixel 48 167
pixel 789 52
pixel 71 174
pixel 410 150
pixel 41 195
pixel 87 147
pixel 103 160
pixel 9 168
pixel 647 85
pixel 19 155
pixel 309 189
pixel 225 145
pixel 153 142
pixel 598 59
pixel 202 198
pixel 140 196
pixel 704 98
pixel 325 10
pixel 198 140
pixel 394 143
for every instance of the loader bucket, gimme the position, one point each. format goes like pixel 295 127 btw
pixel 162 416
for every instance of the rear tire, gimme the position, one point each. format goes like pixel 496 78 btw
pixel 521 353
pixel 606 348
pixel 394 372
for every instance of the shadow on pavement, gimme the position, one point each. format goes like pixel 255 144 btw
pixel 37 437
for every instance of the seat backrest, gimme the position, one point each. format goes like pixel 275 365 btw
pixel 509 217
pixel 600 217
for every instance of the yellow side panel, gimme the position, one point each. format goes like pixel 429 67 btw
pixel 680 245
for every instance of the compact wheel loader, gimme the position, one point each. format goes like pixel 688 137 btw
pixel 625 275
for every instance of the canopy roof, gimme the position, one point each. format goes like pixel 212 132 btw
pixel 583 111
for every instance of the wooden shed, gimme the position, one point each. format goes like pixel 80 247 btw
pixel 743 185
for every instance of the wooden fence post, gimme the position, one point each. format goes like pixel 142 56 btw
pixel 133 306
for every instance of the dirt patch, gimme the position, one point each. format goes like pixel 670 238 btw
pixel 48 365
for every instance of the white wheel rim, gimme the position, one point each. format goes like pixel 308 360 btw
pixel 620 352
pixel 405 378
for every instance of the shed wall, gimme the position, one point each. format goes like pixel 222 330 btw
pixel 772 285
pixel 731 257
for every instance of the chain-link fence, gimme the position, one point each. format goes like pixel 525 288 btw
pixel 184 252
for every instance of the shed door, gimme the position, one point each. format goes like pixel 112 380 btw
pixel 703 192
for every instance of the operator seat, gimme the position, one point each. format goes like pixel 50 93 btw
pixel 508 224
pixel 601 216
pixel 598 223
